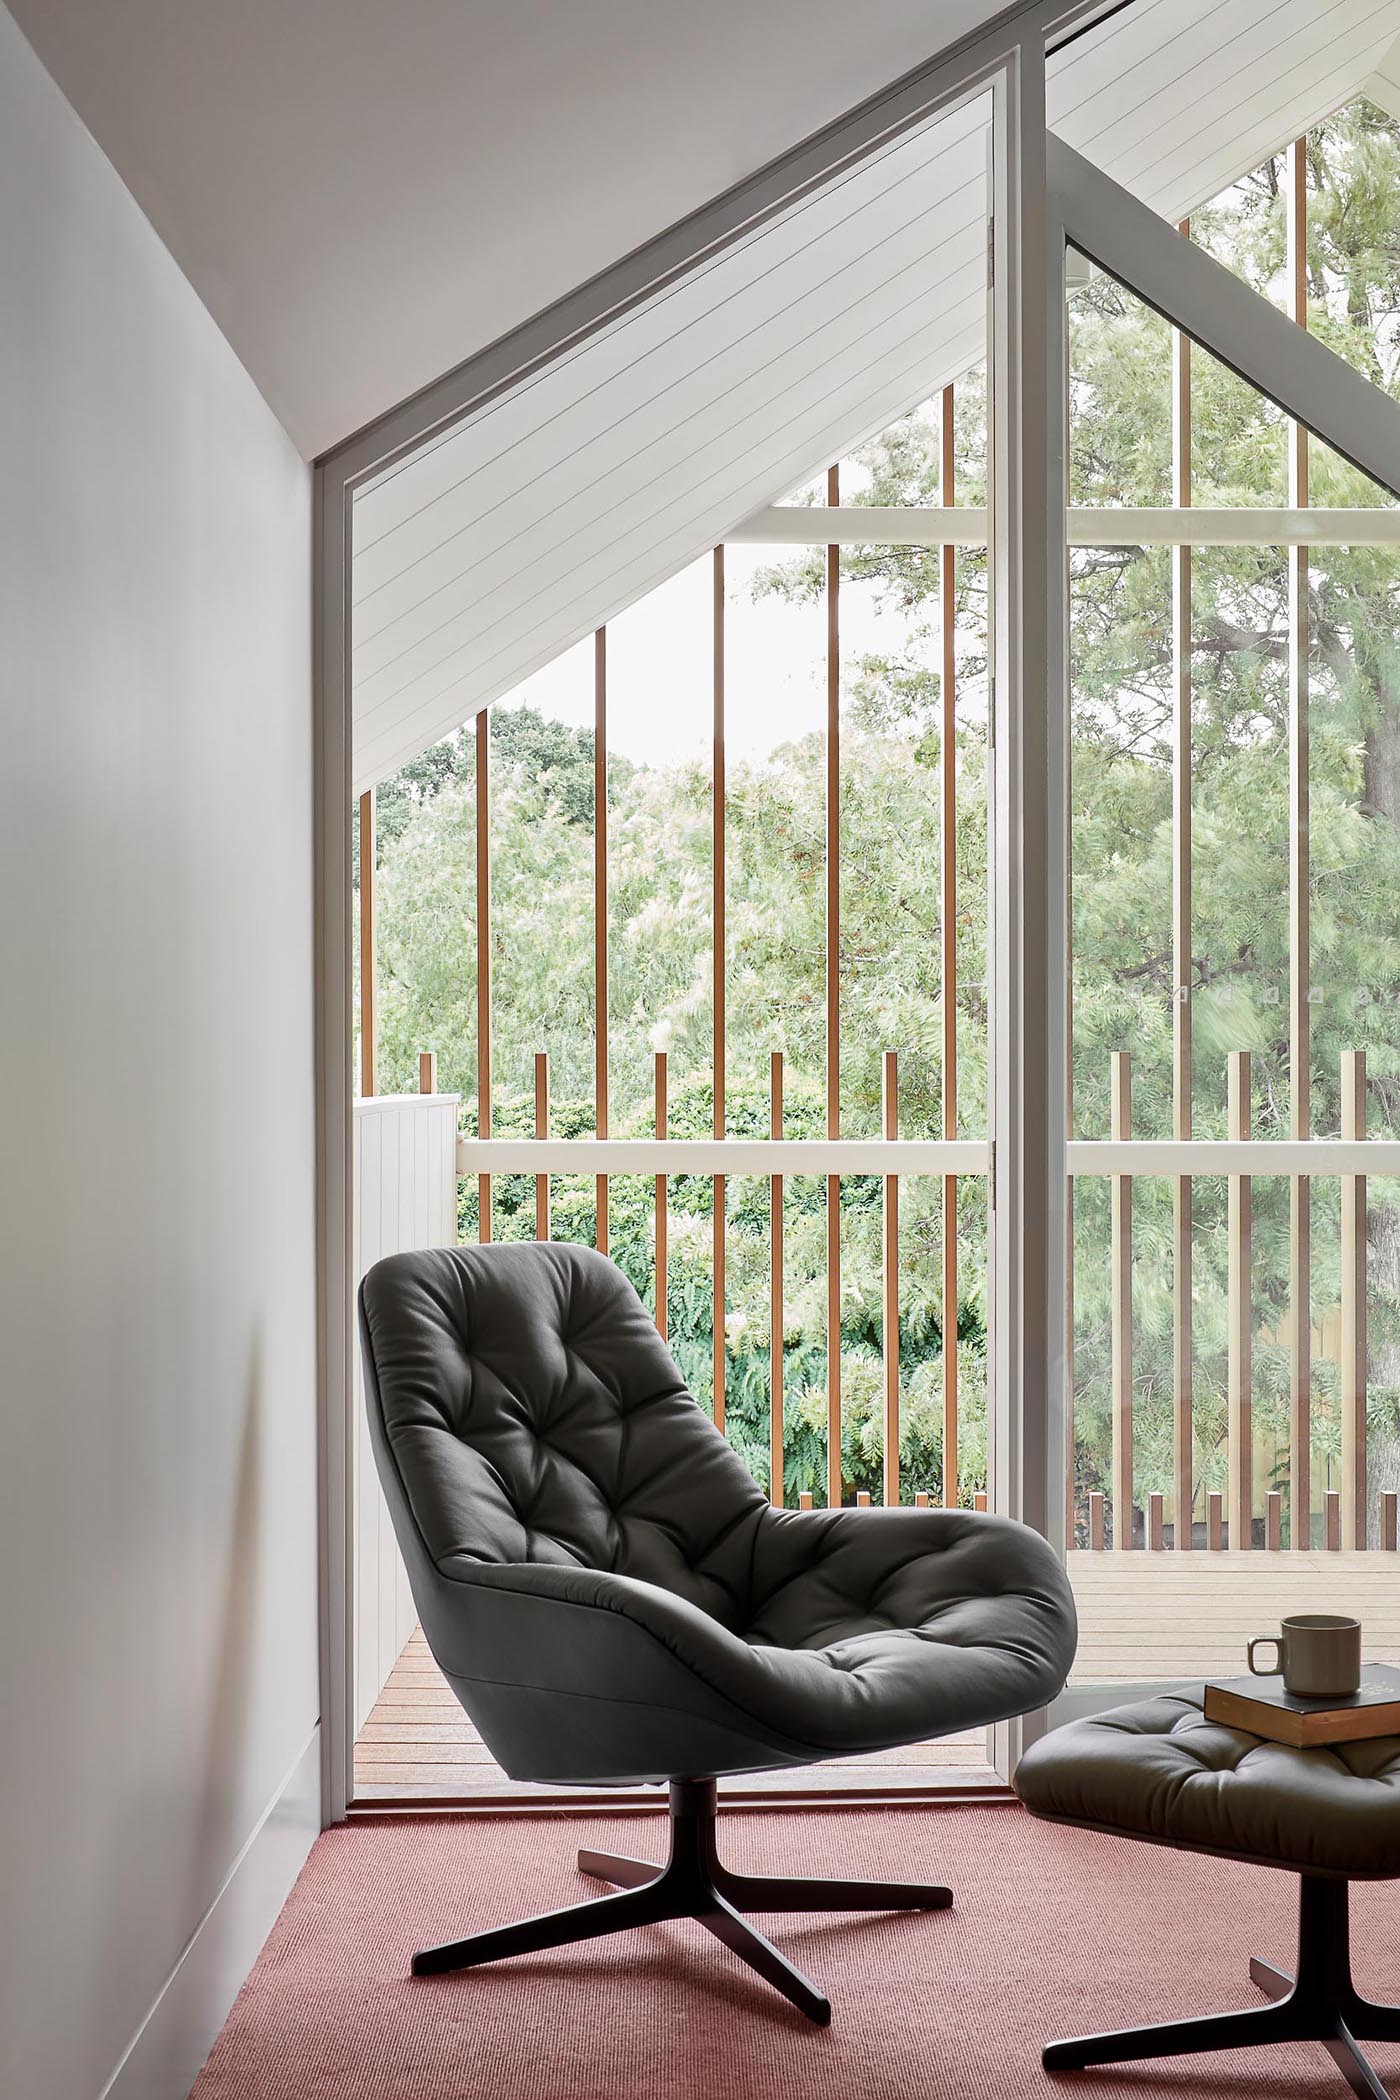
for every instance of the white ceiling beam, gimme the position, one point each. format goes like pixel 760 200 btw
pixel 863 525
pixel 1221 313
pixel 1383 87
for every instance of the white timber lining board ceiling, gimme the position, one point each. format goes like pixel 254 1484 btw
pixel 561 504
pixel 507 539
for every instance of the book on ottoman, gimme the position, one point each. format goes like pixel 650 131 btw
pixel 1263 1706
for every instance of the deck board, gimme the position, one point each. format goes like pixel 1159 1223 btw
pixel 1189 1615
pixel 1141 1615
pixel 419 1746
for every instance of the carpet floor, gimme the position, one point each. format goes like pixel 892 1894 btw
pixel 1054 1932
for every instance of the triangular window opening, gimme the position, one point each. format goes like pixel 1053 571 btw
pixel 707 888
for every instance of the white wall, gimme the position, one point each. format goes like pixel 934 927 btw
pixel 157 1412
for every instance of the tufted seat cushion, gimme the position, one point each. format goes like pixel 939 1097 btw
pixel 607 1587
pixel 1160 1770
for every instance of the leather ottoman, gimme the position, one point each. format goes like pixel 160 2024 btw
pixel 1160 1771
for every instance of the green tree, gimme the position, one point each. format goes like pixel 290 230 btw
pixel 1123 975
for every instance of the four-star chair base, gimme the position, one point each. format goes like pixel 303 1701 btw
pixel 1318 2004
pixel 692 1884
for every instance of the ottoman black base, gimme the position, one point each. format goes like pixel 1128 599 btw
pixel 1319 2003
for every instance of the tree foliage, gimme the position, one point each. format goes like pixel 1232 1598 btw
pixel 1124 974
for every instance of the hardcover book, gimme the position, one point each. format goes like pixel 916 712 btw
pixel 1263 1706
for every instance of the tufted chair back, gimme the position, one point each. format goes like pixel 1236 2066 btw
pixel 610 1594
pixel 533 1414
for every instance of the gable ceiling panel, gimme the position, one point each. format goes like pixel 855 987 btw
pixel 509 538
pixel 498 546
pixel 1231 89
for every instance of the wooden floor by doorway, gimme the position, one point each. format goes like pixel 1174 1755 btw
pixel 418 1746
pixel 1159 1615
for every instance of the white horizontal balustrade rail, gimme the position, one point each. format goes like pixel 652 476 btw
pixel 1157 525
pixel 721 1156
pixel 963 1157
pixel 1254 1156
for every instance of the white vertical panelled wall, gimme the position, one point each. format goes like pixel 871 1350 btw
pixel 405 1197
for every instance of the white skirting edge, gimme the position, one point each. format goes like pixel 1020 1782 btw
pixel 169 2048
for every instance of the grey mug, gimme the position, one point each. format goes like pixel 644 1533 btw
pixel 1318 1652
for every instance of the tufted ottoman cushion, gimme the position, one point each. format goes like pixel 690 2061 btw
pixel 1161 1771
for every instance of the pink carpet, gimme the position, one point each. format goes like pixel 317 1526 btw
pixel 1054 1932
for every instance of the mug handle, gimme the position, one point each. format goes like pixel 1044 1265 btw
pixel 1267 1640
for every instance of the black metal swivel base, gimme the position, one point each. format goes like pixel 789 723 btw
pixel 1319 2004
pixel 692 1884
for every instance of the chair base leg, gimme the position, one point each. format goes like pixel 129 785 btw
pixel 1319 2003
pixel 694 1883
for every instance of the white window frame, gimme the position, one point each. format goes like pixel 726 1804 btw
pixel 1044 198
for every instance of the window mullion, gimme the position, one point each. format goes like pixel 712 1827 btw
pixel 1299 913
pixel 833 1002
pixel 1029 618
pixel 1183 963
pixel 719 948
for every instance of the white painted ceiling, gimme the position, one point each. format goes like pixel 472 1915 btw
pixel 367 191
pixel 364 192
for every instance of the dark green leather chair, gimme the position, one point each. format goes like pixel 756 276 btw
pixel 614 1600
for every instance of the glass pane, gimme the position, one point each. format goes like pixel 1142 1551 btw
pixel 1240 829
pixel 1294 871
pixel 1354 776
pixel 1120 414
pixel 660 671
pixel 775 751
pixel 1121 832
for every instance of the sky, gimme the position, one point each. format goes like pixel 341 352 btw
pixel 660 695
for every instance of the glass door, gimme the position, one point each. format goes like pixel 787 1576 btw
pixel 1233 1448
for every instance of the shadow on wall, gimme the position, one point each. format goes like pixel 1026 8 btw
pixel 235 1650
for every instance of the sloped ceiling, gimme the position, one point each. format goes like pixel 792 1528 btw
pixel 364 192
pixel 506 541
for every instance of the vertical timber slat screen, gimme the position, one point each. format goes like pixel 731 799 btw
pixel 1121 1315
pixel 777 1440
pixel 867 1236
pixel 600 920
pixel 719 796
pixel 1264 1287
pixel 484 1111
pixel 803 1261
pixel 1353 1337
pixel 1241 1314
pixel 662 1238
pixel 369 1022
pixel 889 1324
pixel 542 1131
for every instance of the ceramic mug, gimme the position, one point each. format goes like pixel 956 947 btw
pixel 1318 1652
